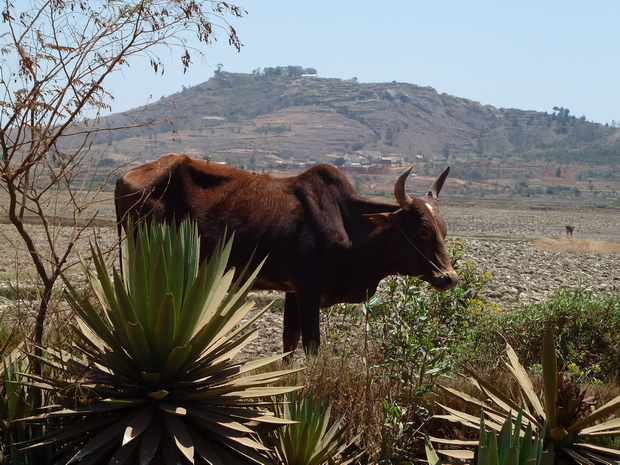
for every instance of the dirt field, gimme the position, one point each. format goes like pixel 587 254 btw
pixel 513 246
pixel 506 243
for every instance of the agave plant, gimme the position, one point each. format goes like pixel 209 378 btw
pixel 512 447
pixel 16 401
pixel 308 439
pixel 155 360
pixel 564 418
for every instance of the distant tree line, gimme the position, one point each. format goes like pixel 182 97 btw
pixel 596 155
pixel 578 132
pixel 284 71
pixel 523 189
pixel 475 173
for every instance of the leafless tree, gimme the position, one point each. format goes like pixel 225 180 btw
pixel 57 55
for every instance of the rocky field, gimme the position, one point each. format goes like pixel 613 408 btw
pixel 511 244
pixel 507 244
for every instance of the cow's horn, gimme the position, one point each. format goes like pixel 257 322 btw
pixel 435 188
pixel 399 190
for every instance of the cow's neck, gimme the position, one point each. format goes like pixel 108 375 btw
pixel 371 244
pixel 356 277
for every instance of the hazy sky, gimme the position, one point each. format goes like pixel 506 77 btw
pixel 531 55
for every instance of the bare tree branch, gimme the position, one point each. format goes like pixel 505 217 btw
pixel 57 56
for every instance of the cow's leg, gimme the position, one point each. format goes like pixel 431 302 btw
pixel 292 324
pixel 310 321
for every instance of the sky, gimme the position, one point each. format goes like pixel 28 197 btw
pixel 525 54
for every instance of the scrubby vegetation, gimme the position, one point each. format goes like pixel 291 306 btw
pixel 377 371
pixel 376 375
pixel 381 362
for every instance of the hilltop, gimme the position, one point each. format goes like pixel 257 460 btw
pixel 267 123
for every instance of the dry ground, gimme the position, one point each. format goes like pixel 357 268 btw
pixel 530 257
pixel 524 249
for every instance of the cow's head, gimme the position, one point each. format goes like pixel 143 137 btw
pixel 418 231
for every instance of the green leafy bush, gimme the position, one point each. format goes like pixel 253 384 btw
pixel 587 328
pixel 391 350
pixel 418 328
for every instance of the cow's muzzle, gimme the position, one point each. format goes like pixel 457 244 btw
pixel 445 280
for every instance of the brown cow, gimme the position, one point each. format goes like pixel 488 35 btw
pixel 569 230
pixel 325 243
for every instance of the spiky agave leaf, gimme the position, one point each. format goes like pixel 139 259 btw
pixel 568 428
pixel 309 439
pixel 158 360
pixel 431 454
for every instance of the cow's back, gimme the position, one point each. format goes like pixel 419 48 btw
pixel 284 218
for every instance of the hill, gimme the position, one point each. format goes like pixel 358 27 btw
pixel 266 122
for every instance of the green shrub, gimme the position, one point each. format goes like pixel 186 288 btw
pixel 392 350
pixel 20 293
pixel 587 328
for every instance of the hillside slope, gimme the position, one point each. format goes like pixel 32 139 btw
pixel 300 118
pixel 265 122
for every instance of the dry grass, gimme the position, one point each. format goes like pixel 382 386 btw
pixel 346 372
pixel 577 245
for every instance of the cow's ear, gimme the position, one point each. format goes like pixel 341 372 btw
pixel 383 219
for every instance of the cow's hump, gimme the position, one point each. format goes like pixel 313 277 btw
pixel 153 172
